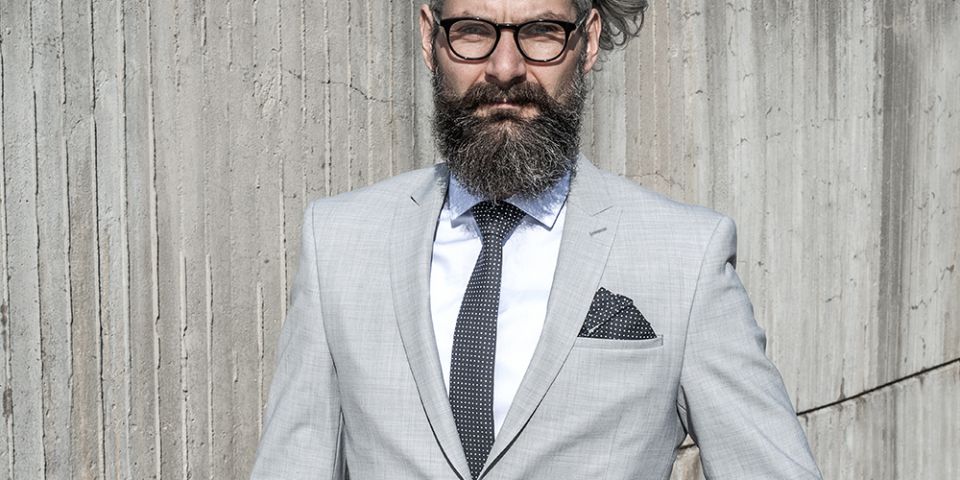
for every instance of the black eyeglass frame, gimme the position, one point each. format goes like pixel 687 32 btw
pixel 568 28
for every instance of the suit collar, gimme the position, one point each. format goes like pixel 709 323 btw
pixel 588 189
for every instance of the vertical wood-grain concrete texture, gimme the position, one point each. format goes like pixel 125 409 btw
pixel 157 157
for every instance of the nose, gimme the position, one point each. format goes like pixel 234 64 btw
pixel 506 65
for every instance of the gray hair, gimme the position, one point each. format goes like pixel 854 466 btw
pixel 622 19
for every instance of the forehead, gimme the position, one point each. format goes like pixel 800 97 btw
pixel 509 10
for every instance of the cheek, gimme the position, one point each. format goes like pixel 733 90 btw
pixel 549 80
pixel 554 78
pixel 458 77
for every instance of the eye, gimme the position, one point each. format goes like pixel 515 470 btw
pixel 470 28
pixel 543 29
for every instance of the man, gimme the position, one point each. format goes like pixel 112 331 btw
pixel 515 313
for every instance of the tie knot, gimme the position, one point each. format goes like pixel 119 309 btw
pixel 496 220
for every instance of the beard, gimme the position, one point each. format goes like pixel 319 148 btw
pixel 502 153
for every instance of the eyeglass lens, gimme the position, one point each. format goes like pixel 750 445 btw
pixel 539 41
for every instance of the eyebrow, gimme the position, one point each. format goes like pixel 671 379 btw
pixel 547 15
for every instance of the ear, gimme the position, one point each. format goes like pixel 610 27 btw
pixel 592 27
pixel 427 25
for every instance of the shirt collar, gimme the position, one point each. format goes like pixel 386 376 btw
pixel 544 208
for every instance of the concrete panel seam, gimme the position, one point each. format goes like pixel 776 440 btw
pixel 861 394
pixel 881 387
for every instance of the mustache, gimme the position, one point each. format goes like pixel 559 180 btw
pixel 524 93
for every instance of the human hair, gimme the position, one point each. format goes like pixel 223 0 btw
pixel 621 19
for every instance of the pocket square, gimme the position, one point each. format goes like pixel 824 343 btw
pixel 613 316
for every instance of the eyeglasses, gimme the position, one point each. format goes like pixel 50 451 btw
pixel 473 38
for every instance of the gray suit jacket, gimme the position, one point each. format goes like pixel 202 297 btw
pixel 358 382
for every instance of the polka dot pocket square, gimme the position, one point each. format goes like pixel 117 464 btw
pixel 615 317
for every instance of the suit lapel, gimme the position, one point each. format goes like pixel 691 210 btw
pixel 589 228
pixel 413 229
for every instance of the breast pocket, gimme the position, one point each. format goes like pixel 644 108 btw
pixel 603 381
pixel 604 372
pixel 614 344
pixel 630 367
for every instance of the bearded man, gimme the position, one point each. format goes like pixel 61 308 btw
pixel 516 313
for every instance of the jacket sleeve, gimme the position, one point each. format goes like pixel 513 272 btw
pixel 302 423
pixel 732 399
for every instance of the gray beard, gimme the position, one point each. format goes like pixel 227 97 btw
pixel 502 155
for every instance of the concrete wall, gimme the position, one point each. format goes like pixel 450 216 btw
pixel 157 156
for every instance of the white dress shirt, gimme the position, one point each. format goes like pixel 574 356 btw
pixel 529 261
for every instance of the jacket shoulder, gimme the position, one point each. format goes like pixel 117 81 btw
pixel 640 203
pixel 375 202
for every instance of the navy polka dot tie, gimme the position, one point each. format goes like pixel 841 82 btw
pixel 475 336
